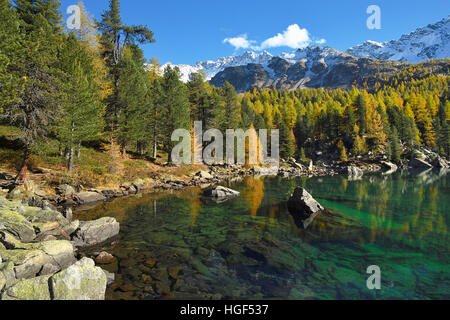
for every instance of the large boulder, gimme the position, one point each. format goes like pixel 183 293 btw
pixel 44 220
pixel 90 197
pixel 417 163
pixel 220 192
pixel 38 259
pixel 29 289
pixel 81 281
pixel 17 225
pixel 303 207
pixel 95 232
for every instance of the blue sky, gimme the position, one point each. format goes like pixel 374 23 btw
pixel 191 31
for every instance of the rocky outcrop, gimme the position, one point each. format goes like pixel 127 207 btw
pixel 221 192
pixel 94 232
pixel 81 281
pixel 37 260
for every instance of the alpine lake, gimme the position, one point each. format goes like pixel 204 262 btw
pixel 182 245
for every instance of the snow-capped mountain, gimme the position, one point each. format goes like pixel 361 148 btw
pixel 309 67
pixel 324 66
pixel 430 42
pixel 211 68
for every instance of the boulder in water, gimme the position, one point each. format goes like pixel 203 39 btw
pixel 303 207
pixel 221 192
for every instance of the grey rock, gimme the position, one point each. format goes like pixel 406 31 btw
pixel 110 277
pixel 204 175
pixel 29 289
pixel 303 205
pixel 90 197
pixel 95 232
pixel 17 225
pixel 221 192
pixel 81 281
pixel 65 190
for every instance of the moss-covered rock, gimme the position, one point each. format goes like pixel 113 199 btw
pixel 17 225
pixel 30 259
pixel 29 289
pixel 81 281
pixel 2 281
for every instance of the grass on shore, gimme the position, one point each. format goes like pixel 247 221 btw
pixel 93 169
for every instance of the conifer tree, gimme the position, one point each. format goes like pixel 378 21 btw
pixel 38 102
pixel 81 118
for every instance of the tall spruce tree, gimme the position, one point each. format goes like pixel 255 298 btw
pixel 81 118
pixel 176 108
pixel 36 105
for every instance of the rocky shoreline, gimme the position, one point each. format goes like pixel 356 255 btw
pixel 40 243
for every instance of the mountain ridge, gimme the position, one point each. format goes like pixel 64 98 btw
pixel 323 66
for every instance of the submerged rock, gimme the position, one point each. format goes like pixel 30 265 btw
pixel 221 192
pixel 95 232
pixel 303 207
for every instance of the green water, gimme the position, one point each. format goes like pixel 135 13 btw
pixel 182 246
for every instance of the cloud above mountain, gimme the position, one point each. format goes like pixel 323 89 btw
pixel 293 37
pixel 240 42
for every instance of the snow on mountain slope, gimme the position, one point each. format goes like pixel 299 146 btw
pixel 430 42
pixel 211 68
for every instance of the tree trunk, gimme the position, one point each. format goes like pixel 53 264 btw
pixel 79 150
pixel 70 160
pixel 124 151
pixel 20 178
pixel 70 150
pixel 155 147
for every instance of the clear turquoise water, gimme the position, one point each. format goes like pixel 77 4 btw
pixel 183 246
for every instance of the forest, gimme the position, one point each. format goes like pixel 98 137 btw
pixel 93 87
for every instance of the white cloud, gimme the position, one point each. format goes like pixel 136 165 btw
pixel 239 42
pixel 293 37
